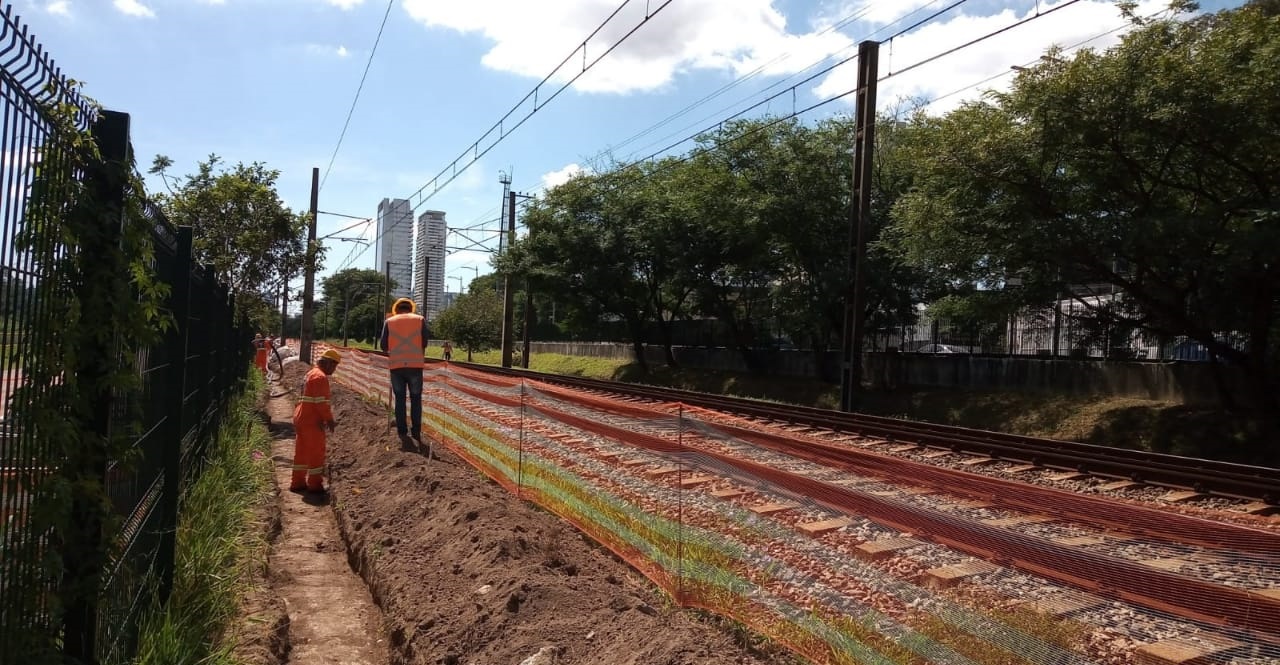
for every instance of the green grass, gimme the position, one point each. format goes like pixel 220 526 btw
pixel 220 543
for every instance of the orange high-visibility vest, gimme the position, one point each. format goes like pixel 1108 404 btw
pixel 404 341
pixel 313 408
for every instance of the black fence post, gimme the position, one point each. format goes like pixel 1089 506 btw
pixel 179 305
pixel 83 549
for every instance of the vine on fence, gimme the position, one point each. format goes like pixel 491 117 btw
pixel 99 306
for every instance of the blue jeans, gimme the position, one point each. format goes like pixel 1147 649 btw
pixel 411 378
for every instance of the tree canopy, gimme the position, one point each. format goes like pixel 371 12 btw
pixel 240 227
pixel 473 321
pixel 353 303
pixel 1139 183
pixel 1152 169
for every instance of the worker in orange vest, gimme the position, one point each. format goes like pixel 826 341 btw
pixel 404 338
pixel 310 419
pixel 260 353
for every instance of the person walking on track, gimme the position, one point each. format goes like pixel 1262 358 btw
pixel 260 353
pixel 310 419
pixel 404 338
pixel 448 350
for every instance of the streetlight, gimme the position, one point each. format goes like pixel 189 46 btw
pixel 459 282
pixel 476 269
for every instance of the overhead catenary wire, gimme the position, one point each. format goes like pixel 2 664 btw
pixel 798 112
pixel 453 170
pixel 792 89
pixel 356 99
pixel 838 24
pixel 733 84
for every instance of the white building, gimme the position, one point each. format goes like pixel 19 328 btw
pixel 428 263
pixel 393 250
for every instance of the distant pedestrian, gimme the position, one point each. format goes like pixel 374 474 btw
pixel 404 338
pixel 260 353
pixel 311 417
pixel 448 351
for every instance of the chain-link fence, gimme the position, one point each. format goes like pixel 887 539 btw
pixel 99 422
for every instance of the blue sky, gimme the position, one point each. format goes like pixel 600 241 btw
pixel 272 81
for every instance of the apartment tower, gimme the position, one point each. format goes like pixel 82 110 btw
pixel 428 263
pixel 393 249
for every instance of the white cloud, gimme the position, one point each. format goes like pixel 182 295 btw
pixel 327 50
pixel 345 4
pixel 133 8
pixel 1018 46
pixel 877 12
pixel 560 177
pixel 530 38
pixel 59 7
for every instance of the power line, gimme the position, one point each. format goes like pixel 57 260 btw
pixel 809 68
pixel 735 83
pixel 360 87
pixel 796 113
pixel 813 76
pixel 1006 72
pixel 453 169
pixel 457 167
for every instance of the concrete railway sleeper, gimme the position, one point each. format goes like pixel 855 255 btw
pixel 1206 476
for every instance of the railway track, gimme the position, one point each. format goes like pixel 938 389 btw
pixel 1185 473
pixel 1253 612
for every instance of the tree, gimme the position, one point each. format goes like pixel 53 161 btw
pixel 579 243
pixel 1151 167
pixel 473 321
pixel 240 227
pixel 355 302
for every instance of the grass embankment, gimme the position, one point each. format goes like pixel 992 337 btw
pixel 1113 421
pixel 220 544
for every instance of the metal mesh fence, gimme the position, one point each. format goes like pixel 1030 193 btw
pixel 848 567
pixel 73 589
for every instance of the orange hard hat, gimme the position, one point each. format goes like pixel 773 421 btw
pixel 413 308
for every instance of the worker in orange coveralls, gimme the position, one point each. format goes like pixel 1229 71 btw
pixel 310 418
pixel 260 353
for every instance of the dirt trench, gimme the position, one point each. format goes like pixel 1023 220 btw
pixel 457 571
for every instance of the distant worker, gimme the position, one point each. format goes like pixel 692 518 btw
pixel 310 419
pixel 260 353
pixel 404 338
pixel 448 351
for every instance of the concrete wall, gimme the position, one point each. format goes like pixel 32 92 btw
pixel 1186 382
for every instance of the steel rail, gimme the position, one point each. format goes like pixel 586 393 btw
pixel 1201 475
pixel 1252 613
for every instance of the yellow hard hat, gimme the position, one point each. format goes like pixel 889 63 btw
pixel 413 308
pixel 331 355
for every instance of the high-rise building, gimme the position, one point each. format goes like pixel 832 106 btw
pixel 428 263
pixel 395 245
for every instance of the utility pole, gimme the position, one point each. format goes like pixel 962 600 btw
pixel 386 286
pixel 863 152
pixel 284 304
pixel 309 283
pixel 508 307
pixel 508 315
pixel 528 323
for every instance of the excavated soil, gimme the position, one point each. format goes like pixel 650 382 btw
pixel 466 574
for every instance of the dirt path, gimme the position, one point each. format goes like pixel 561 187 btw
pixel 332 618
